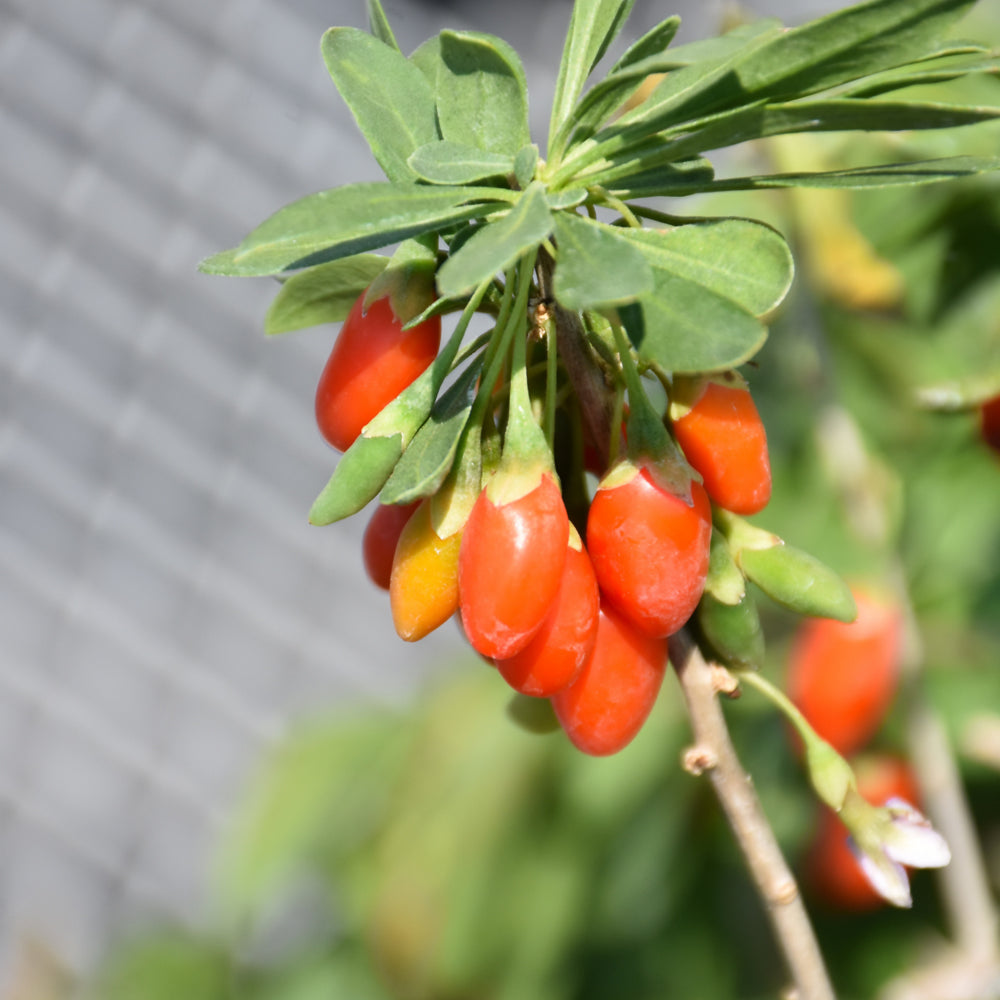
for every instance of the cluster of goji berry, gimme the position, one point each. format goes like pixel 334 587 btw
pixel 843 678
pixel 583 621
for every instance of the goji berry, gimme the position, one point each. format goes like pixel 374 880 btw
pixel 650 550
pixel 605 707
pixel 423 588
pixel 723 438
pixel 511 566
pixel 373 360
pixel 843 677
pixel 378 545
pixel 558 651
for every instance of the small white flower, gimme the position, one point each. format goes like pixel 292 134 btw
pixel 885 838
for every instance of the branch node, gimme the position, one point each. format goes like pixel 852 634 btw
pixel 784 894
pixel 697 760
pixel 723 682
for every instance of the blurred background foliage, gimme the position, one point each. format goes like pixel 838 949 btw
pixel 445 853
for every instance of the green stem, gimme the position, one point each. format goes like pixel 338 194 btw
pixel 780 700
pixel 647 437
pixel 551 381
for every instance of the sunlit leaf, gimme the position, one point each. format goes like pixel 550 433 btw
pixel 447 162
pixel 347 220
pixel 597 265
pixel 322 294
pixel 388 96
pixel 481 93
pixel 497 245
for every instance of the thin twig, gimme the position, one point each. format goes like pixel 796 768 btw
pixel 714 753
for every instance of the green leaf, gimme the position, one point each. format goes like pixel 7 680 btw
pixel 347 220
pixel 525 165
pixel 721 47
pixel 408 279
pixel 593 26
pixel 322 294
pixel 597 265
pixel 846 45
pixel 916 172
pixel 429 457
pixel 647 55
pixel 497 245
pixel 388 96
pixel 357 478
pixel 446 162
pixel 684 328
pixel 628 180
pixel 711 281
pixel 838 115
pixel 481 93
pixel 379 24
pixel 925 71
pixel 690 92
pixel 741 260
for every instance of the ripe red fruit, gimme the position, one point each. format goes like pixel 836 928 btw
pixel 650 550
pixel 723 438
pixel 989 423
pixel 378 546
pixel 605 707
pixel 510 568
pixel 843 677
pixel 558 651
pixel 373 360
pixel 830 869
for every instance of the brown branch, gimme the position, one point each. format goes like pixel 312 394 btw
pixel 584 374
pixel 714 753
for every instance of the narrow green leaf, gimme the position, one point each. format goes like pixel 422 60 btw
pixel 926 71
pixel 497 245
pixel 596 265
pixel 570 198
pixel 837 115
pixel 917 172
pixel 738 259
pixel 429 456
pixel 648 55
pixel 846 45
pixel 379 24
pixel 649 162
pixel 721 47
pixel 388 96
pixel 629 181
pixel 692 91
pixel 357 478
pixel 347 220
pixel 481 93
pixel 593 25
pixel 446 162
pixel 322 294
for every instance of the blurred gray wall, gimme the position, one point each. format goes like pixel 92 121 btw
pixel 165 610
